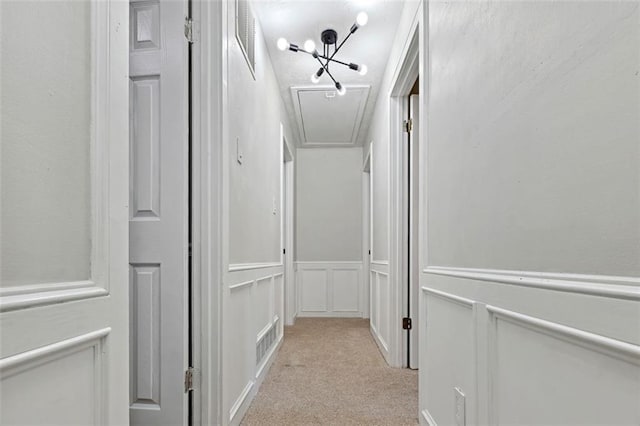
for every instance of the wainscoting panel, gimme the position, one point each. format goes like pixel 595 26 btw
pixel 252 333
pixel 381 307
pixel 521 357
pixel 314 289
pixel 32 383
pixel 587 378
pixel 331 289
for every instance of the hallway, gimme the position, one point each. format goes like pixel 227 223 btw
pixel 329 371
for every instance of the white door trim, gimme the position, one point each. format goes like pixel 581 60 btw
pixel 290 307
pixel 208 104
pixel 406 72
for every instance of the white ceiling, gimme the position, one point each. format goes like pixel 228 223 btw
pixel 299 20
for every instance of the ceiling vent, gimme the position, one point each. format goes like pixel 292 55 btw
pixel 246 33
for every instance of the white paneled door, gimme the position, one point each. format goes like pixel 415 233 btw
pixel 63 289
pixel 158 222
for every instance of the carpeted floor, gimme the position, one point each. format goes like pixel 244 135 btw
pixel 330 372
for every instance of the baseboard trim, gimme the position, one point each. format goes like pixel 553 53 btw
pixel 594 285
pixel 240 401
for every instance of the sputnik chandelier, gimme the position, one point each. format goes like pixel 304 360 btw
pixel 329 38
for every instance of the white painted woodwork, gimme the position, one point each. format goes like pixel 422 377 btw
pixel 329 205
pixel 64 352
pixel 208 73
pixel 289 215
pixel 159 212
pixel 325 118
pixel 414 233
pixel 330 289
pixel 380 291
pixel 252 332
pixel 251 286
pixel 366 234
pixel 530 213
pixel 298 21
pixel 389 196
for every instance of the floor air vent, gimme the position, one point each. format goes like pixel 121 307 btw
pixel 266 342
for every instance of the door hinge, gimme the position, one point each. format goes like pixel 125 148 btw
pixel 188 29
pixel 406 323
pixel 284 251
pixel 188 379
pixel 408 125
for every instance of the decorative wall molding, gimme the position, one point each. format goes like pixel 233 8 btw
pixel 380 262
pixel 381 311
pixel 615 348
pixel 427 418
pixel 253 308
pixel 45 358
pixel 240 285
pixel 451 297
pixel 10 364
pixel 593 285
pixel 235 267
pixel 482 379
pixel 330 289
pixel 50 294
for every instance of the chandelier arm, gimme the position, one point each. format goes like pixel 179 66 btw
pixel 326 69
pixel 328 59
pixel 339 46
pixel 334 60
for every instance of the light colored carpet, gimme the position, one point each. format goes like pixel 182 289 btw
pixel 329 371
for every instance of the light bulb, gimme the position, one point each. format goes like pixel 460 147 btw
pixel 341 90
pixel 309 46
pixel 362 69
pixel 362 19
pixel 282 43
pixel 314 78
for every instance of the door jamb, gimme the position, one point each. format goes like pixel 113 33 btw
pixel 407 71
pixel 366 233
pixel 287 229
pixel 208 103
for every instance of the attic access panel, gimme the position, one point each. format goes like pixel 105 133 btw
pixel 327 119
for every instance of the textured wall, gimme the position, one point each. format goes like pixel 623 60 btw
pixel 255 111
pixel 45 142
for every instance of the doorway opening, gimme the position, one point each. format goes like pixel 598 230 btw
pixel 287 219
pixel 411 233
pixel 405 180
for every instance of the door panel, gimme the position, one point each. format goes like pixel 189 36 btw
pixel 159 212
pixel 64 293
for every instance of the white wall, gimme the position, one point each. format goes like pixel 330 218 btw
pixel 384 286
pixel 329 277
pixel 46 142
pixel 253 281
pixel 255 111
pixel 532 165
pixel 329 204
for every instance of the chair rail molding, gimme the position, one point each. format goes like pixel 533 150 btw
pixel 594 285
